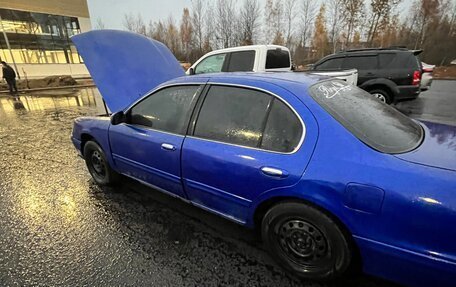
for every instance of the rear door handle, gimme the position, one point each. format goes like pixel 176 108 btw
pixel 168 146
pixel 274 171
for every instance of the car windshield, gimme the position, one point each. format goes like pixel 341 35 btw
pixel 378 125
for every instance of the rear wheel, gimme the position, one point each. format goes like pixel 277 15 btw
pixel 381 95
pixel 305 241
pixel 98 166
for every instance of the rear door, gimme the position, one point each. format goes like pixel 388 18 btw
pixel 367 66
pixel 148 146
pixel 244 143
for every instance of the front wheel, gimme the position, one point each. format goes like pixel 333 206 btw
pixel 98 166
pixel 305 241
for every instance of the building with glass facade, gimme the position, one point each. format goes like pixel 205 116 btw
pixel 39 31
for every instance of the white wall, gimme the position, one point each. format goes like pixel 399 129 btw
pixel 44 70
pixel 84 24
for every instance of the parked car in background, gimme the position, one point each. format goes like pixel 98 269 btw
pixel 426 78
pixel 257 58
pixel 280 152
pixel 389 74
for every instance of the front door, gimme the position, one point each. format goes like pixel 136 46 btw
pixel 245 142
pixel 148 146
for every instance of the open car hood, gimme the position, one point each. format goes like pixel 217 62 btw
pixel 125 65
pixel 438 148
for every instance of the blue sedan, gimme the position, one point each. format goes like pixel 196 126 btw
pixel 328 174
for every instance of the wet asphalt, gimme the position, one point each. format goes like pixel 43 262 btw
pixel 57 228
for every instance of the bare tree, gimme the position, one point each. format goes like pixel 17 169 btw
pixel 352 12
pixel 129 22
pixel 273 20
pixel 198 15
pixel 135 24
pixel 172 36
pixel 186 33
pixel 335 22
pixel 99 24
pixel 428 9
pixel 290 13
pixel 380 13
pixel 320 38
pixel 210 37
pixel 249 21
pixel 158 31
pixel 225 22
pixel 308 10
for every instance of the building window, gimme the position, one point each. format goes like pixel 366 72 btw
pixel 39 38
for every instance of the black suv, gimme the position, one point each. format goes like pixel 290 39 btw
pixel 390 74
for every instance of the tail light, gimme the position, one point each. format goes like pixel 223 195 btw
pixel 416 78
pixel 428 70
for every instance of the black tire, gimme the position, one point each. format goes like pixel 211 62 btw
pixel 306 242
pixel 382 95
pixel 98 166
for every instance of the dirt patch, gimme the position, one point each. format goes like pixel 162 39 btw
pixel 446 72
pixel 51 81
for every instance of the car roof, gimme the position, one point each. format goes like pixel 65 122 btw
pixel 281 79
pixel 294 82
pixel 246 48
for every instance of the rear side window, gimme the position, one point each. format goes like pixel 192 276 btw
pixel 212 64
pixel 166 110
pixel 241 61
pixel 233 115
pixel 283 129
pixel 386 60
pixel 380 126
pixel 277 58
pixel 331 64
pixel 414 62
pixel 360 62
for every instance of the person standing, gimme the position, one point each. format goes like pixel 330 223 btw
pixel 10 76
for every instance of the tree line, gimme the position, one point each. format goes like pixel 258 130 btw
pixel 309 29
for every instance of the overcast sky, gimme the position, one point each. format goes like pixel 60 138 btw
pixel 111 12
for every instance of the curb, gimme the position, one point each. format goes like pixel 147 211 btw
pixel 48 88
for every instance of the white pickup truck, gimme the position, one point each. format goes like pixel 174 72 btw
pixel 257 58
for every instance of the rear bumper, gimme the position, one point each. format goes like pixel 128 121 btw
pixel 426 83
pixel 407 92
pixel 405 266
pixel 77 145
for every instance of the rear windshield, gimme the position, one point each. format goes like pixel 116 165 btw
pixel 378 125
pixel 277 58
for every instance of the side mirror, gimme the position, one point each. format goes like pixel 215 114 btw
pixel 118 118
pixel 191 71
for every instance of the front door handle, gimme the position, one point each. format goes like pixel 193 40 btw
pixel 168 146
pixel 274 171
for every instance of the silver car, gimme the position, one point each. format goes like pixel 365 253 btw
pixel 426 78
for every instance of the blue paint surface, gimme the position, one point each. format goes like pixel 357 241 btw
pixel 399 209
pixel 125 65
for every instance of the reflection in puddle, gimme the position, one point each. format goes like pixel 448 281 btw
pixel 51 100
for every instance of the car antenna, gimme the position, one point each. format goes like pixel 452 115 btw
pixel 106 107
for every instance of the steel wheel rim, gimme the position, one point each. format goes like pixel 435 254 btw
pixel 98 164
pixel 303 243
pixel 379 96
